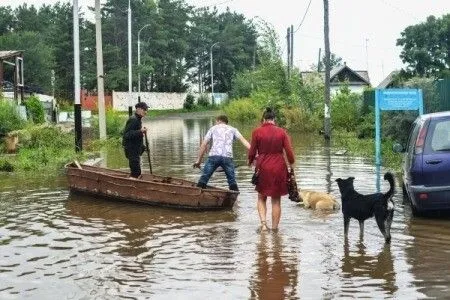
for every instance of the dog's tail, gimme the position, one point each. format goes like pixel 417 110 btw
pixel 389 177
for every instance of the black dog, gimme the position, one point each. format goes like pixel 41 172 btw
pixel 361 207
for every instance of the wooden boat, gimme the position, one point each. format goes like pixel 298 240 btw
pixel 151 189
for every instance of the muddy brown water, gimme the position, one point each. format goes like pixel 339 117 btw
pixel 54 245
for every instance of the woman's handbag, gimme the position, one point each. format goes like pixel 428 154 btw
pixel 292 187
pixel 255 176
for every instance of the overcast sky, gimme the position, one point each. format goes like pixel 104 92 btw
pixel 362 32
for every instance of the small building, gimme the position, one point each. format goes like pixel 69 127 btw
pixel 13 58
pixel 356 81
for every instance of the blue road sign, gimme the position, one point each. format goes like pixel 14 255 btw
pixel 393 99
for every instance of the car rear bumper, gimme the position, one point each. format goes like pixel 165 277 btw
pixel 430 198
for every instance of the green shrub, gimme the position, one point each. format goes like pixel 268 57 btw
pixel 243 110
pixel 203 100
pixel 115 123
pixel 9 117
pixel 189 102
pixel 345 110
pixel 298 119
pixel 6 166
pixel 35 110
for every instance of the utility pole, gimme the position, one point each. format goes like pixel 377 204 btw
pixel 139 61
pixel 292 47
pixel 367 56
pixel 318 60
pixel 130 100
pixel 212 72
pixel 288 58
pixel 76 79
pixel 327 112
pixel 100 86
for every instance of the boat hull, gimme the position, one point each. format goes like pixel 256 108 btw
pixel 151 189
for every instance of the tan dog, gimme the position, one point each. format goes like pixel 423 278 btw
pixel 318 200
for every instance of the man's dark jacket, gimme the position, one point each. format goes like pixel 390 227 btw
pixel 132 137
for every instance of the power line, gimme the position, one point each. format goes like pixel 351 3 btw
pixel 304 16
pixel 216 3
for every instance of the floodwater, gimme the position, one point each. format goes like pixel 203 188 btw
pixel 54 245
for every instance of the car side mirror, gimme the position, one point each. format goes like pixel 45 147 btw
pixel 398 148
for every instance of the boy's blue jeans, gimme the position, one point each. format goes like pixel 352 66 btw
pixel 211 164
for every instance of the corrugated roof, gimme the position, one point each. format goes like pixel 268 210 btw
pixel 9 54
pixel 363 75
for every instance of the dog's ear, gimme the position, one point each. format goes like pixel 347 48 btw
pixel 338 179
pixel 351 178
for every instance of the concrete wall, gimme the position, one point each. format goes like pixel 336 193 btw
pixel 157 101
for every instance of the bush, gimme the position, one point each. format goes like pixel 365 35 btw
pixel 35 110
pixel 243 110
pixel 115 123
pixel 203 100
pixel 344 110
pixel 44 147
pixel 6 166
pixel 298 119
pixel 189 102
pixel 9 117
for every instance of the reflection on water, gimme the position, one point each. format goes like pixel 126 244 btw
pixel 54 245
pixel 369 268
pixel 276 274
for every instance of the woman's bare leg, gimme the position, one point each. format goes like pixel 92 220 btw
pixel 276 211
pixel 262 210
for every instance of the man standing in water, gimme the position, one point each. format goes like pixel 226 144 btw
pixel 222 136
pixel 132 140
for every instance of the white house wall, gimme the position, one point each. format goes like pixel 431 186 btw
pixel 157 101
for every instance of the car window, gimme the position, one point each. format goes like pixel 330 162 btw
pixel 413 136
pixel 439 136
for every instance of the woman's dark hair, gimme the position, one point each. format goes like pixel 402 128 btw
pixel 269 114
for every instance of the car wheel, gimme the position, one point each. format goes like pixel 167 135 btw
pixel 415 212
pixel 405 194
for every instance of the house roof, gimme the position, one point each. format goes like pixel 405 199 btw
pixel 9 54
pixel 362 75
pixel 388 80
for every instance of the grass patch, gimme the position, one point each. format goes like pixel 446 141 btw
pixel 366 148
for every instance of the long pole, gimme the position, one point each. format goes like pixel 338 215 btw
pixel 327 112
pixel 212 73
pixel 292 47
pixel 130 102
pixel 288 58
pixel 139 61
pixel 148 153
pixel 76 78
pixel 100 86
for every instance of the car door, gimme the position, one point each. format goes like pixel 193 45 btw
pixel 436 154
pixel 409 158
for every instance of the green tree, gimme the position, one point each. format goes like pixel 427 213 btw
pixel 426 47
pixel 335 61
pixel 6 20
pixel 37 56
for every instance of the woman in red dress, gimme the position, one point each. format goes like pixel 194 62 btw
pixel 268 143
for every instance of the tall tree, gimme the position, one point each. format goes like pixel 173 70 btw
pixel 6 20
pixel 426 47
pixel 37 56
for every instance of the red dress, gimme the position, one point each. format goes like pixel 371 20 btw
pixel 268 142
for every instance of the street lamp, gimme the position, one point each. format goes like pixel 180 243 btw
pixel 212 72
pixel 139 62
pixel 130 108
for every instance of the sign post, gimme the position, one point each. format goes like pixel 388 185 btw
pixel 393 99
